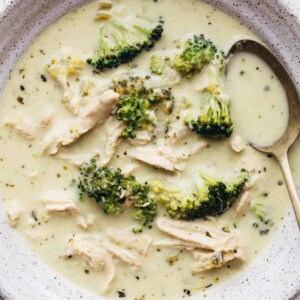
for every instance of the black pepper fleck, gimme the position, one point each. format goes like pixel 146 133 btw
pixel 121 294
pixel 43 77
pixel 20 100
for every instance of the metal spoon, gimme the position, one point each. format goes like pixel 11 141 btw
pixel 280 148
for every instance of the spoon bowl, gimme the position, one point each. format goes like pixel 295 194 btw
pixel 280 148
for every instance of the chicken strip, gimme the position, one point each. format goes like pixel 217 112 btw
pixel 179 130
pixel 78 159
pixel 123 254
pixel 211 246
pixel 165 157
pixel 63 201
pixel 23 125
pixel 243 204
pixel 206 260
pixel 90 250
pixel 244 200
pixel 142 137
pixel 47 115
pixel 237 143
pixel 174 243
pixel 66 132
pixel 126 238
pixel 114 129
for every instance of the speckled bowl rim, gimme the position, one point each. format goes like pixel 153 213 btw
pixel 24 276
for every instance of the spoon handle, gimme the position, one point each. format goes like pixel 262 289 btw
pixel 285 167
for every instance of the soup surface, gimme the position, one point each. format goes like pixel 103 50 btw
pixel 107 253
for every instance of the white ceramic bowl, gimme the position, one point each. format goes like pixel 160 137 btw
pixel 275 274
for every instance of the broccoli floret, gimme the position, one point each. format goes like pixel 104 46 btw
pixel 221 195
pixel 136 104
pixel 157 64
pixel 120 42
pixel 214 120
pixel 111 188
pixel 104 185
pixel 197 52
pixel 214 199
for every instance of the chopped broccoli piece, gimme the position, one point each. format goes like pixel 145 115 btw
pixel 120 42
pixel 198 51
pixel 137 229
pixel 111 188
pixel 132 110
pixel 146 210
pixel 136 104
pixel 137 193
pixel 214 199
pixel 214 120
pixel 141 87
pixel 65 66
pixel 258 208
pixel 157 64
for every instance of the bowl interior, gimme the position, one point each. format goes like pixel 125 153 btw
pixel 26 277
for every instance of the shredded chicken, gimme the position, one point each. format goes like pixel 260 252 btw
pixel 65 133
pixel 123 254
pixel 23 125
pixel 174 243
pixel 61 68
pixel 211 246
pixel 165 157
pixel 139 243
pixel 206 260
pixel 114 129
pixel 90 250
pixel 243 203
pixel 179 130
pixel 245 198
pixel 63 201
pixel 77 159
pixel 13 214
pixel 251 182
pixel 127 169
pixel 98 252
pixel 237 143
pixel 152 156
pixel 70 98
pixel 47 115
pixel 142 138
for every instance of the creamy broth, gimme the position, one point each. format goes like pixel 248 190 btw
pixel 251 88
pixel 259 113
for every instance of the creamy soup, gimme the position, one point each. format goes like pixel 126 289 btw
pixel 72 234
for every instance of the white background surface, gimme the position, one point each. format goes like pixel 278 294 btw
pixel 295 4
